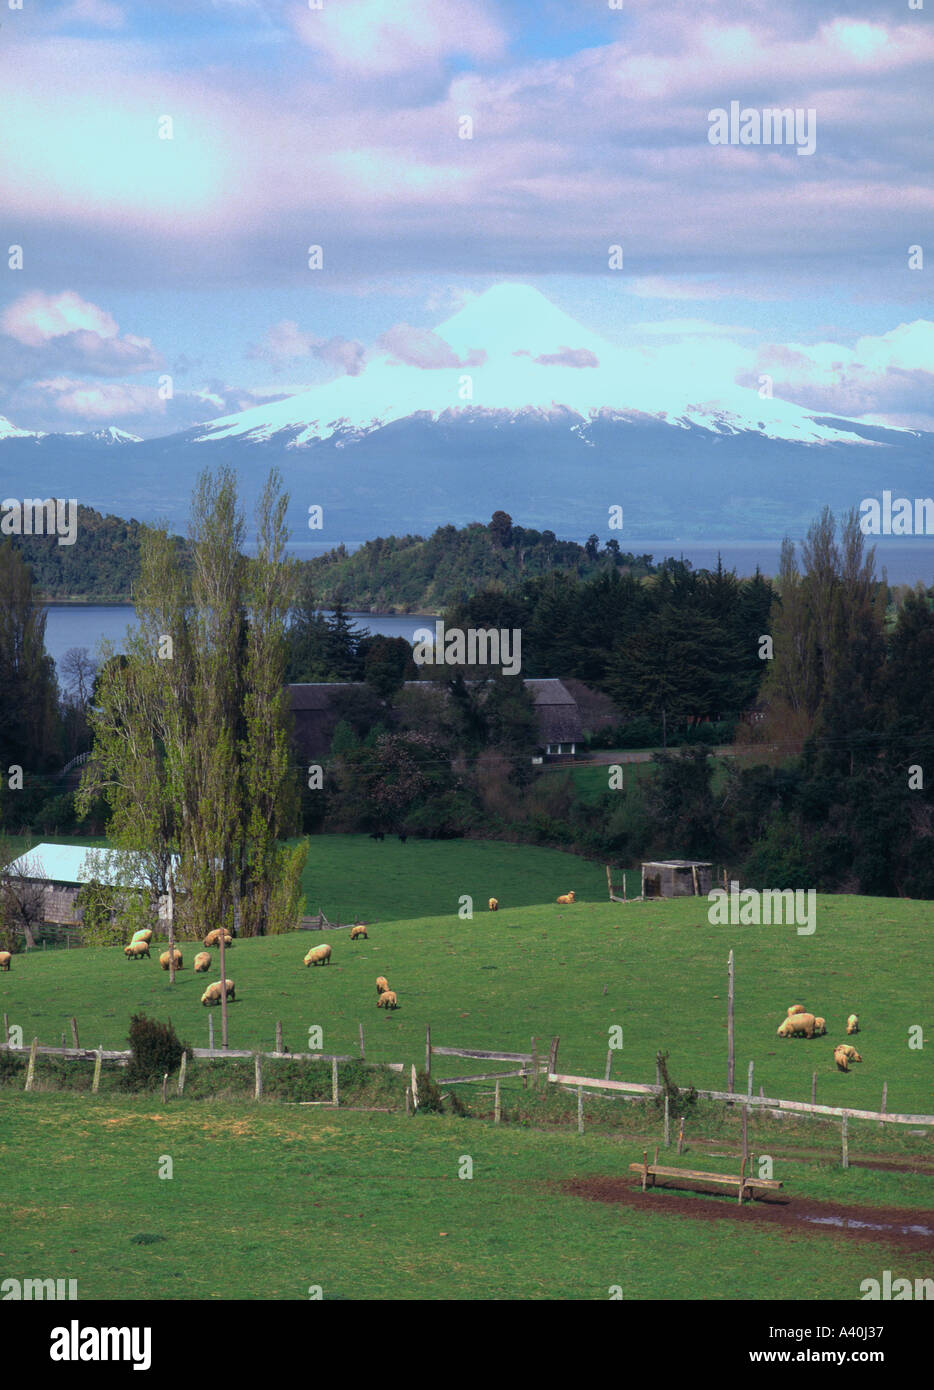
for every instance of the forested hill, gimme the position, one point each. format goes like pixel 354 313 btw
pixel 413 574
pixel 101 566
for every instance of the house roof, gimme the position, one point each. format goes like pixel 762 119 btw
pixel 66 864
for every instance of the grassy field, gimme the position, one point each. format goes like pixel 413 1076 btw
pixel 265 1201
pixel 305 1194
pixel 535 968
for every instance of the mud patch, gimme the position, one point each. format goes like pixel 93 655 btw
pixel 905 1228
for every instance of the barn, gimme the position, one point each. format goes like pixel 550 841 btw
pixel 60 870
pixel 676 878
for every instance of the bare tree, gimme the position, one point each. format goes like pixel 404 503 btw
pixel 22 894
pixel 78 669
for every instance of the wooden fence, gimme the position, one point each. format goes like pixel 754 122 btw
pixel 530 1063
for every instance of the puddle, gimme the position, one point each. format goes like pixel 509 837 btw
pixel 849 1224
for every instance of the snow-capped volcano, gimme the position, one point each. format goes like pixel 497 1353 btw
pixel 511 349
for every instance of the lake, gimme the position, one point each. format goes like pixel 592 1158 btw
pixel 87 624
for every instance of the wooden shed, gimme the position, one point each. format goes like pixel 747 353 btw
pixel 677 878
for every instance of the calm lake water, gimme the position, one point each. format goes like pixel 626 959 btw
pixel 87 624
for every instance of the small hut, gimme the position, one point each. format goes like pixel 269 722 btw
pixel 677 878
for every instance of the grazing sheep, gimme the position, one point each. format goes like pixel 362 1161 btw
pixel 358 931
pixel 319 955
pixel 144 934
pixel 796 1009
pixel 494 904
pixel 851 1054
pixel 387 1000
pixel 820 1027
pixel 5 958
pixel 213 938
pixel 137 950
pixel 382 984
pixel 566 898
pixel 164 960
pixel 202 962
pixel 852 1024
pixel 796 1025
pixel 212 995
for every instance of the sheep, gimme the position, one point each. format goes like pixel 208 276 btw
pixel 212 995
pixel 494 904
pixel 852 1024
pixel 799 1023
pixel 387 1000
pixel 164 960
pixel 202 962
pixel 566 898
pixel 213 938
pixel 840 1058
pixel 382 984
pixel 820 1027
pixel 137 950
pixel 144 934
pixel 358 931
pixel 851 1053
pixel 319 955
pixel 796 1009
pixel 5 958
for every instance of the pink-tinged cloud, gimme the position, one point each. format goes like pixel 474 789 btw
pixel 383 37
pixel 420 347
pixel 568 357
pixel 34 318
pixel 286 342
pixel 86 400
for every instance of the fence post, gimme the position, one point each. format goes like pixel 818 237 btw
pixel 658 1071
pixel 814 1088
pixel 98 1063
pixel 553 1055
pixel 681 1135
pixel 428 1049
pixel 362 1052
pixel 609 1063
pixel 182 1072
pixel 31 1068
pixel 730 1056
pixel 885 1093
pixel 749 1086
pixel 335 1094
pixel 258 1078
pixel 845 1141
pixel 580 1110
pixel 210 1032
pixel 414 1089
pixel 667 1131
pixel 63 1044
pixel 165 1078
pixel 496 1105
pixel 278 1034
pixel 745 1138
pixel 74 1032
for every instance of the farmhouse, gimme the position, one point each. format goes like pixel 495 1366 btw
pixel 315 708
pixel 676 878
pixel 60 870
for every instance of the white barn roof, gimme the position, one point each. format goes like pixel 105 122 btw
pixel 67 864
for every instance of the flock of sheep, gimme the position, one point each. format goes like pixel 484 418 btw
pixel 138 949
pixel 321 955
pixel 800 1024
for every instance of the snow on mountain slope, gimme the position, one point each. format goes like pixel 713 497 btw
pixel 9 431
pixel 511 349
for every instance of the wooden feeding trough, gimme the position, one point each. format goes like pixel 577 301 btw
pixel 678 1177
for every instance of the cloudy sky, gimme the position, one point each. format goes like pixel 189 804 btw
pixel 166 167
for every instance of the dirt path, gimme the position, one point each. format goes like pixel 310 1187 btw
pixel 902 1227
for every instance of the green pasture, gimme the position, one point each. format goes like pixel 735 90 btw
pixel 268 1201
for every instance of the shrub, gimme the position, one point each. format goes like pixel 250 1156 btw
pixel 155 1050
